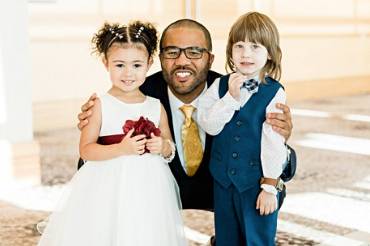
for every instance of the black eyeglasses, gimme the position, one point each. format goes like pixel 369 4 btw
pixel 173 52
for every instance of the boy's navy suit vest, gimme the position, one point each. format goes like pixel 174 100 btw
pixel 236 150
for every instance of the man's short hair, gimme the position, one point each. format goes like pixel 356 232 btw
pixel 188 23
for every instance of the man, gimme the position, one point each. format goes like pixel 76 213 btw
pixel 186 59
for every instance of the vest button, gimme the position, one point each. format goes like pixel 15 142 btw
pixel 239 123
pixel 235 155
pixel 232 171
pixel 236 138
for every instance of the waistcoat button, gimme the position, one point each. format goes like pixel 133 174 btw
pixel 232 171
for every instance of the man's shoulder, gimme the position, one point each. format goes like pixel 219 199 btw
pixel 212 76
pixel 154 85
pixel 155 77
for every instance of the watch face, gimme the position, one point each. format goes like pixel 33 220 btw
pixel 280 185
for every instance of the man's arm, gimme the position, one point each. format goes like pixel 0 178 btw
pixel 290 168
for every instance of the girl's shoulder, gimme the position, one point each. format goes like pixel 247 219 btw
pixel 152 100
pixel 105 96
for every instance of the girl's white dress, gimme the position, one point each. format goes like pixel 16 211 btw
pixel 126 201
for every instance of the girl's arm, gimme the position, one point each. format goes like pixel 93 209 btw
pixel 214 112
pixel 168 146
pixel 162 145
pixel 90 150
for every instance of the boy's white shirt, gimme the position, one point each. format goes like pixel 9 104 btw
pixel 215 112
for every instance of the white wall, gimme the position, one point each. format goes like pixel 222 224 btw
pixel 60 48
pixel 327 39
pixel 15 82
pixel 16 129
pixel 320 40
pixel 323 36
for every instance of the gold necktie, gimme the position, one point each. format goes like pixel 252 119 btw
pixel 192 146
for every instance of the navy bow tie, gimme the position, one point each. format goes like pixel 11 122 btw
pixel 251 85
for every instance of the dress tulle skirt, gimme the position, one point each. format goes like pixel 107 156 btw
pixel 127 201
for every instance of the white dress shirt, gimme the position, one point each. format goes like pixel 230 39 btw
pixel 214 113
pixel 178 120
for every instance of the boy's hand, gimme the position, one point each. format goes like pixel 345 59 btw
pixel 132 145
pixel 236 81
pixel 86 112
pixel 281 122
pixel 154 144
pixel 266 203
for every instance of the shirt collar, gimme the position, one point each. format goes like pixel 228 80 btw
pixel 256 78
pixel 176 103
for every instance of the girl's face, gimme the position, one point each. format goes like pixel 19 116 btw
pixel 127 66
pixel 249 58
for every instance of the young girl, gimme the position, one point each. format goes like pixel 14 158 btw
pixel 122 196
pixel 247 155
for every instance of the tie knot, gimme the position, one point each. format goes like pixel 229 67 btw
pixel 187 110
pixel 251 85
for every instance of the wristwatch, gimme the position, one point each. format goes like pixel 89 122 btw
pixel 277 183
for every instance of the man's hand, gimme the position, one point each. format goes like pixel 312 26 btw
pixel 281 122
pixel 86 112
pixel 236 81
pixel 266 203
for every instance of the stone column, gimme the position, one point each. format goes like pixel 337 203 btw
pixel 19 153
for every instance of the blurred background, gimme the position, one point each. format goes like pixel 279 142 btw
pixel 47 72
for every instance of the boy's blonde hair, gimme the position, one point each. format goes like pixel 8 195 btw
pixel 258 28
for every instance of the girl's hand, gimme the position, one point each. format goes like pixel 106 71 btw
pixel 236 81
pixel 132 145
pixel 266 203
pixel 154 144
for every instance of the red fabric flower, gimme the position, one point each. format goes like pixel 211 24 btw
pixel 129 124
pixel 141 126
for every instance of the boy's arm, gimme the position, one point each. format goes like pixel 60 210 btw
pixel 273 157
pixel 281 121
pixel 213 112
pixel 273 149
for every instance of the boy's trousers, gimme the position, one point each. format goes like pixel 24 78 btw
pixel 238 222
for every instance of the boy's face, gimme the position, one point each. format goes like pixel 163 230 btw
pixel 249 58
pixel 185 77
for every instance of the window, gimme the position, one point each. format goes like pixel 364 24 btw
pixel 42 1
